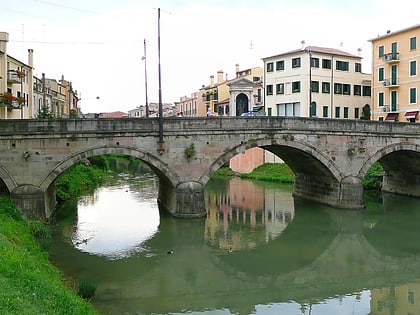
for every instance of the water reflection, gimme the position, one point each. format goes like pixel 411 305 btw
pixel 289 256
pixel 115 224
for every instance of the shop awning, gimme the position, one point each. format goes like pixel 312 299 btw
pixel 409 115
pixel 391 117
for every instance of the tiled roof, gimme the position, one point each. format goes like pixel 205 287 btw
pixel 322 50
pixel 113 115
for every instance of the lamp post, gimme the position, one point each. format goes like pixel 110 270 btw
pixel 145 79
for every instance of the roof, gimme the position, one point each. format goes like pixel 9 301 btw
pixel 322 50
pixel 117 114
pixel 389 33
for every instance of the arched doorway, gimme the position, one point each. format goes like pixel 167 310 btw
pixel 241 104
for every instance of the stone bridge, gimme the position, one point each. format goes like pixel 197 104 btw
pixel 328 156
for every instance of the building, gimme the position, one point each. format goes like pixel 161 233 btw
pixel 316 82
pixel 396 81
pixel 168 110
pixel 16 79
pixel 235 96
pixel 191 106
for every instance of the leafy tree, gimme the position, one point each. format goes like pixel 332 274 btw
pixel 45 112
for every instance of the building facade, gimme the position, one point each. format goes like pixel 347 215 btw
pixel 396 80
pixel 16 81
pixel 316 82
pixel 233 97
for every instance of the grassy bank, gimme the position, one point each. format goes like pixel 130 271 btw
pixel 29 284
pixel 280 172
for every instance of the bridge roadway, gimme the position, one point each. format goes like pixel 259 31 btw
pixel 328 156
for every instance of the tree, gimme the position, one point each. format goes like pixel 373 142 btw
pixel 365 112
pixel 45 112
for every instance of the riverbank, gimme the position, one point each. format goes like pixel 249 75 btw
pixel 29 283
pixel 280 172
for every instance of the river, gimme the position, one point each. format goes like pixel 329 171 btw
pixel 258 251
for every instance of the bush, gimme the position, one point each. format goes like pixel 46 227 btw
pixel 86 289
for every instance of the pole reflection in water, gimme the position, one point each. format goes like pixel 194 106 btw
pixel 288 256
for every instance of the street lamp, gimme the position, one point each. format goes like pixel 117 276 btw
pixel 161 142
pixel 145 79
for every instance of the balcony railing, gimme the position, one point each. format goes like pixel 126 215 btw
pixel 391 57
pixel 13 77
pixel 391 82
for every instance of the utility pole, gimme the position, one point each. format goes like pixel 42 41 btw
pixel 145 79
pixel 161 142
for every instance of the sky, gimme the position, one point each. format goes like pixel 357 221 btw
pixel 98 45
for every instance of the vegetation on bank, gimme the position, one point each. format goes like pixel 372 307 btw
pixel 29 283
pixel 280 172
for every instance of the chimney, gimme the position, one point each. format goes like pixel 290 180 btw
pixel 359 52
pixel 211 80
pixel 219 76
pixel 4 38
pixel 237 69
pixel 31 58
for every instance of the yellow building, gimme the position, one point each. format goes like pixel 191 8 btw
pixel 396 78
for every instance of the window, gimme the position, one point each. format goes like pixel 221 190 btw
pixel 296 87
pixel 346 112
pixel 326 87
pixel 280 65
pixel 269 89
pixel 337 112
pixel 288 109
pixel 346 89
pixel 326 64
pixel 280 88
pixel 357 67
pixel 381 99
pixel 380 74
pixel 315 62
pixel 296 62
pixel 413 95
pixel 366 90
pixel 413 68
pixel 325 111
pixel 413 43
pixel 356 113
pixel 338 88
pixel 315 86
pixel 381 51
pixel 357 89
pixel 269 67
pixel 342 65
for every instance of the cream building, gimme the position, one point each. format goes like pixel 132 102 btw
pixel 16 79
pixel 396 79
pixel 316 82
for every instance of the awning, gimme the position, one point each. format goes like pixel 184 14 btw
pixel 391 117
pixel 410 115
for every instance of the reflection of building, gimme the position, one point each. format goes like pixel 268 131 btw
pixel 395 75
pixel 400 299
pixel 266 211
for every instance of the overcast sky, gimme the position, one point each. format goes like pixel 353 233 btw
pixel 98 44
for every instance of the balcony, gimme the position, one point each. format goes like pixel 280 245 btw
pixel 391 57
pixel 13 77
pixel 391 82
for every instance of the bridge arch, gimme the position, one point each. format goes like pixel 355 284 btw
pixel 162 170
pixel 401 165
pixel 7 178
pixel 286 150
